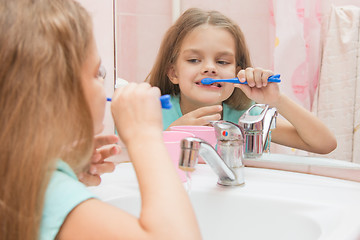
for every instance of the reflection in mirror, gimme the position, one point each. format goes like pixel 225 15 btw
pixel 302 56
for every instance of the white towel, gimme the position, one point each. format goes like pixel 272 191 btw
pixel 337 100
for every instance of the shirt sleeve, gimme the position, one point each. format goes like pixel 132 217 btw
pixel 63 194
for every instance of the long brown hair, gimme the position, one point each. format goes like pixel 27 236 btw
pixel 171 44
pixel 44 114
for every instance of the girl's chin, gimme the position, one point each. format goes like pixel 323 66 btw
pixel 211 98
pixel 211 101
pixel 214 92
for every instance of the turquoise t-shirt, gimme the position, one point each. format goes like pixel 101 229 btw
pixel 63 194
pixel 172 114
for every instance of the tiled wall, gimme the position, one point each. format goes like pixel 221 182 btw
pixel 141 26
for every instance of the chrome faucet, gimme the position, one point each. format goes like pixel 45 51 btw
pixel 257 130
pixel 234 143
pixel 226 161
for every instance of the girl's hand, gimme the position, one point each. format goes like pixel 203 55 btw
pixel 136 110
pixel 201 116
pixel 258 88
pixel 104 147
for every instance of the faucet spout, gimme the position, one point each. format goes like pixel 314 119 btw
pixel 191 148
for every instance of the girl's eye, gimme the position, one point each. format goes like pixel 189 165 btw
pixel 194 60
pixel 101 72
pixel 223 62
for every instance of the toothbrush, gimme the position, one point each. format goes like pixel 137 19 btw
pixel 164 99
pixel 208 81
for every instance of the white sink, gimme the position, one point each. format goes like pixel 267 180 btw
pixel 272 204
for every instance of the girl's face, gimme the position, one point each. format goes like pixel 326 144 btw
pixel 207 51
pixel 93 87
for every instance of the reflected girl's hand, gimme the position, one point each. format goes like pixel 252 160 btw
pixel 258 88
pixel 200 117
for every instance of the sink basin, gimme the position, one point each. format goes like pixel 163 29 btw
pixel 272 204
pixel 246 217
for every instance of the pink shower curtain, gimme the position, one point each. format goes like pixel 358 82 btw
pixel 297 26
pixel 296 32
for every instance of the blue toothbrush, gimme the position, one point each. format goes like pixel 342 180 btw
pixel 164 99
pixel 208 81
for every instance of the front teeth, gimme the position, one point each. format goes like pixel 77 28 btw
pixel 213 84
pixel 216 84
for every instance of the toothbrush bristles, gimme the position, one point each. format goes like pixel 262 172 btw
pixel 207 81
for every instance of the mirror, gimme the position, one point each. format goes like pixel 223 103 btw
pixel 286 36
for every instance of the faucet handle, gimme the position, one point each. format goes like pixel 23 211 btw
pixel 271 117
pixel 253 122
pixel 227 131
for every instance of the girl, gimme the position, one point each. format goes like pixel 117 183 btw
pixel 207 44
pixel 52 102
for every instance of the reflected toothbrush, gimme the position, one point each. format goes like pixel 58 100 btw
pixel 164 99
pixel 208 81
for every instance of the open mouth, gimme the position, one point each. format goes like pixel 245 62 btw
pixel 213 85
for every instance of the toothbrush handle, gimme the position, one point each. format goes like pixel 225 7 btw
pixel 164 99
pixel 231 80
pixel 273 78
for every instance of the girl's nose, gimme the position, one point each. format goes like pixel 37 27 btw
pixel 209 68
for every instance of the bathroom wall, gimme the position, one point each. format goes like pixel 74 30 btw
pixel 141 25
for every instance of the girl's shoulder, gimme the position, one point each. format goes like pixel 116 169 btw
pixel 63 194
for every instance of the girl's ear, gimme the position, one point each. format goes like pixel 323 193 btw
pixel 172 75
